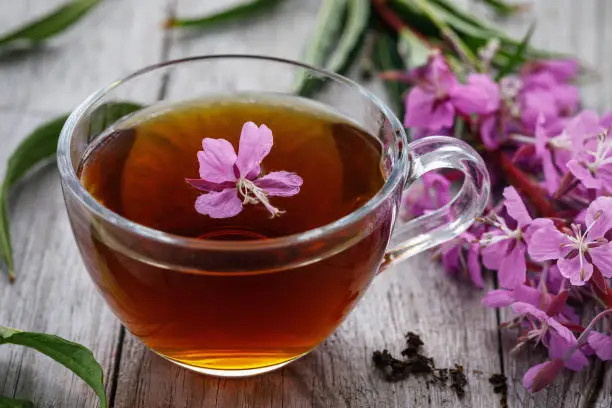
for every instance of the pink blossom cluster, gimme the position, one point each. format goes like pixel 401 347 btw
pixel 548 235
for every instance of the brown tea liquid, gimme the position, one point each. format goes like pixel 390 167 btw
pixel 221 321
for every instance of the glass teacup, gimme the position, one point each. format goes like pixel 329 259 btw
pixel 247 307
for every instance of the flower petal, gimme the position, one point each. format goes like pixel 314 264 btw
pixel 562 69
pixel 583 174
pixel 473 265
pixel 544 240
pixel 280 183
pixel 450 256
pixel 492 254
pixel 223 204
pixel 576 271
pixel 423 110
pixel 206 186
pixel 558 346
pixel 480 95
pixel 516 207
pixel 602 258
pixel 602 345
pixel 527 294
pixel 513 269
pixel 598 218
pixel 255 144
pixel 524 309
pixel 217 160
pixel 540 375
pixel 489 132
pixel 498 298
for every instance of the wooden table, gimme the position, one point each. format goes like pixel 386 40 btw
pixel 54 294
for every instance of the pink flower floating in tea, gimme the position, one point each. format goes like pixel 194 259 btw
pixel 232 180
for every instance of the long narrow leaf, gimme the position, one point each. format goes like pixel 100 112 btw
pixel 50 24
pixel 386 57
pixel 41 146
pixel 357 19
pixel 330 21
pixel 504 8
pixel 6 402
pixel 71 355
pixel 231 14
pixel 518 56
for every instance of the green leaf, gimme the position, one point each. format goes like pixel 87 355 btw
pixel 431 12
pixel 416 50
pixel 41 146
pixel 231 14
pixel 386 57
pixel 50 24
pixel 504 8
pixel 358 15
pixel 34 149
pixel 330 21
pixel 71 355
pixel 6 402
pixel 518 56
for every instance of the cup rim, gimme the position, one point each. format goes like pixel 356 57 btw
pixel 73 184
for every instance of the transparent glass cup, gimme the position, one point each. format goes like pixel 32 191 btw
pixel 260 304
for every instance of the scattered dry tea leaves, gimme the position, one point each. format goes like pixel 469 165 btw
pixel 458 380
pixel 415 363
pixel 500 386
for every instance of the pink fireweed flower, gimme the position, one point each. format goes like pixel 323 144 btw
pixel 601 344
pixel 503 249
pixel 541 375
pixel 552 334
pixel 461 256
pixel 593 164
pixel 556 151
pixel 437 97
pixel 231 180
pixel 563 70
pixel 431 194
pixel 576 253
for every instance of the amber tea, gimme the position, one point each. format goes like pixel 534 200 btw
pixel 233 321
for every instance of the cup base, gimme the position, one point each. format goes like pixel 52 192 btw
pixel 237 373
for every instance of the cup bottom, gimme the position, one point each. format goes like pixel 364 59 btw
pixel 233 373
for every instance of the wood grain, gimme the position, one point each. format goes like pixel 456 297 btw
pixel 54 294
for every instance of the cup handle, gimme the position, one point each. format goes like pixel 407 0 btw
pixel 443 224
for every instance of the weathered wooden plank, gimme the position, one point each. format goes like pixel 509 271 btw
pixel 52 293
pixel 580 29
pixel 114 39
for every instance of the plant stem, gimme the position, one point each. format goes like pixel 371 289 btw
pixel 531 191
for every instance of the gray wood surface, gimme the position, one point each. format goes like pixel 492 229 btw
pixel 54 294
